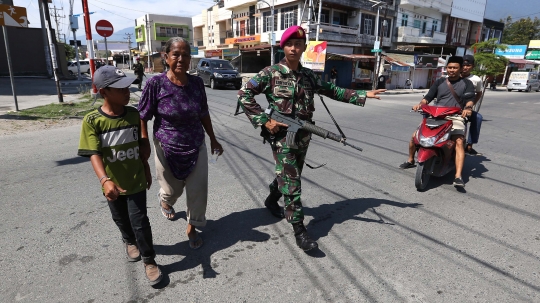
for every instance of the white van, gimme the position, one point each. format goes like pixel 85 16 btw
pixel 526 81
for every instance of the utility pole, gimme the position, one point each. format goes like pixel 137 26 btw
pixel 318 21
pixel 149 40
pixel 52 49
pixel 56 16
pixel 128 38
pixel 74 25
pixel 48 60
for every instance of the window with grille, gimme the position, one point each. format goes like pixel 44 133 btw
pixel 404 19
pixel 339 18
pixel 417 23
pixel 267 21
pixel 434 25
pixel 367 24
pixel 288 17
pixel 325 16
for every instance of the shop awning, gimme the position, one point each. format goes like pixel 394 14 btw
pixel 520 61
pixel 351 57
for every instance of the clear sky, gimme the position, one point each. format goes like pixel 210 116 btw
pixel 123 12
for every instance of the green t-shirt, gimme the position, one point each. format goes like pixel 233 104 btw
pixel 116 140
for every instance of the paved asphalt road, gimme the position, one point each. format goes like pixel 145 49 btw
pixel 380 240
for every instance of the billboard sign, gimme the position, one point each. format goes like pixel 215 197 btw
pixel 231 52
pixel 469 10
pixel 534 44
pixel 513 52
pixel 315 56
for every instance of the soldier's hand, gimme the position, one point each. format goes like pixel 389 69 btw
pixel 273 126
pixel 374 93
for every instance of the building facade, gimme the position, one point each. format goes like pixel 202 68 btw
pixel 152 31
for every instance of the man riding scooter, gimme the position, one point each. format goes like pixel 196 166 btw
pixel 449 93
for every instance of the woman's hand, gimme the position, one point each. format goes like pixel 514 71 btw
pixel 466 113
pixel 215 146
pixel 374 93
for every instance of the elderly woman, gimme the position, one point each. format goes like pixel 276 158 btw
pixel 177 102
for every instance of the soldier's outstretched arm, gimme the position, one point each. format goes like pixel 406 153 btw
pixel 356 97
pixel 246 97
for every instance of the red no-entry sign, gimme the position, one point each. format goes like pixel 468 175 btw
pixel 104 28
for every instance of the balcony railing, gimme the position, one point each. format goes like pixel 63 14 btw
pixel 414 35
pixel 440 5
pixel 170 35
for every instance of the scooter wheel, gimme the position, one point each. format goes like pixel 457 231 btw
pixel 422 175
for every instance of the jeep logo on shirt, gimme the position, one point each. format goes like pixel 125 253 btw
pixel 121 155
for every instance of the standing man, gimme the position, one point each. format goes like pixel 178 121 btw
pixel 290 88
pixel 139 72
pixel 475 118
pixel 333 75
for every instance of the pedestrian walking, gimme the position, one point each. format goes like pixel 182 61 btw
pixel 177 103
pixel 139 72
pixel 111 137
pixel 333 75
pixel 290 89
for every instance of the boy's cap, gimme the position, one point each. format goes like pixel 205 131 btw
pixel 293 32
pixel 468 60
pixel 110 76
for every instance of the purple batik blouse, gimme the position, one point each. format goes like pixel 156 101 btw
pixel 177 126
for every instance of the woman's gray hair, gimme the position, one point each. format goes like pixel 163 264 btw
pixel 174 40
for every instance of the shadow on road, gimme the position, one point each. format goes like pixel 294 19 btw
pixel 15 117
pixel 218 235
pixel 72 161
pixel 327 215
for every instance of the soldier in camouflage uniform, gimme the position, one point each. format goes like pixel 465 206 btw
pixel 290 89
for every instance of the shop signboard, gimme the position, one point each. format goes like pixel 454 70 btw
pixel 231 52
pixel 513 52
pixel 315 56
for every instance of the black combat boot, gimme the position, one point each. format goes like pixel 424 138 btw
pixel 271 203
pixel 302 239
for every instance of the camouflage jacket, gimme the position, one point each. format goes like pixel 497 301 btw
pixel 290 92
pixel 138 69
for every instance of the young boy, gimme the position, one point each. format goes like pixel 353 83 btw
pixel 111 137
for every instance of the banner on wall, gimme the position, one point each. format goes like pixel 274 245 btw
pixel 315 56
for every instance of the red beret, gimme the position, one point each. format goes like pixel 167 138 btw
pixel 293 32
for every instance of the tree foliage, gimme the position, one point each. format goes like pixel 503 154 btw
pixel 486 62
pixel 520 32
pixel 70 51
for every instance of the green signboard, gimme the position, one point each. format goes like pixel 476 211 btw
pixel 231 52
pixel 533 55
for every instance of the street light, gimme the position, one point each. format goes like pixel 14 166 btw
pixel 271 30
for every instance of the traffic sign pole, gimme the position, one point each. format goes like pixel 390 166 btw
pixel 105 29
pixel 89 43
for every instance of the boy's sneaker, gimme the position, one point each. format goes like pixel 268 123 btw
pixel 153 274
pixel 132 252
pixel 458 182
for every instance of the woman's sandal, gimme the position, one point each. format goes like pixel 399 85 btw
pixel 165 211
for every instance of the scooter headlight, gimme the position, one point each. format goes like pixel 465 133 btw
pixel 444 138
pixel 426 142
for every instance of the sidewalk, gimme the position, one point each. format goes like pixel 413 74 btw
pixel 32 92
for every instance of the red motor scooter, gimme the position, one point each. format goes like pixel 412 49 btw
pixel 436 152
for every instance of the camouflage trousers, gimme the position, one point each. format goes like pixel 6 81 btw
pixel 289 164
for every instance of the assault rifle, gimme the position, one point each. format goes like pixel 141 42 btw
pixel 296 124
